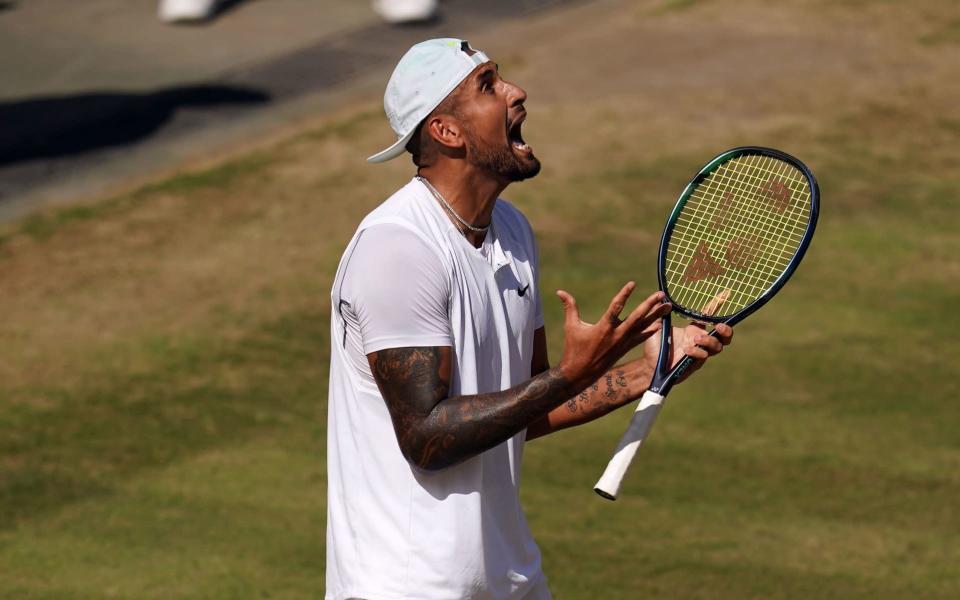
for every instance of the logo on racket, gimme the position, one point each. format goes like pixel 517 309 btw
pixel 702 265
pixel 741 251
pixel 777 193
pixel 722 214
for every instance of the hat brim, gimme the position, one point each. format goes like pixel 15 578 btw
pixel 398 148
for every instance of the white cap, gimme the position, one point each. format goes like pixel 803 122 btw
pixel 426 74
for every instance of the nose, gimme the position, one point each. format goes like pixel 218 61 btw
pixel 515 94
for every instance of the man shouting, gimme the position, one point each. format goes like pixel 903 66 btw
pixel 439 371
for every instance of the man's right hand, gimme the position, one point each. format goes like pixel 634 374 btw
pixel 590 350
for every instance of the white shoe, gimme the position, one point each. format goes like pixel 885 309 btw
pixel 178 11
pixel 405 11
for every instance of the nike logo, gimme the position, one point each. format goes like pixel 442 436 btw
pixel 523 290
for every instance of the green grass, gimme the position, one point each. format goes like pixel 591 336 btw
pixel 820 463
pixel 42 225
pixel 945 33
pixel 670 6
pixel 163 361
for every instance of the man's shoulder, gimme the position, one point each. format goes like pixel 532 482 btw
pixel 401 206
pixel 400 227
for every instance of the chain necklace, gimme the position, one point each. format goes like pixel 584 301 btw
pixel 449 208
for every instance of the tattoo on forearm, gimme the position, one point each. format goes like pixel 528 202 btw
pixel 621 379
pixel 435 430
pixel 592 399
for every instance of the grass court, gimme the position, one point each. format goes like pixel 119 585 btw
pixel 163 352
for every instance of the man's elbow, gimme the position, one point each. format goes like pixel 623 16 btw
pixel 433 452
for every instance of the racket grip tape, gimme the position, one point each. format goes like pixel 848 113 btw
pixel 643 419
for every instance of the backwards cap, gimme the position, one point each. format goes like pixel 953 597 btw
pixel 426 74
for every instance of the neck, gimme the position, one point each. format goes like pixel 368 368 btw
pixel 470 193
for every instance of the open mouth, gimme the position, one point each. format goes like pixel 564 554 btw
pixel 515 136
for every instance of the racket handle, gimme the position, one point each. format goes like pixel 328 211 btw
pixel 640 424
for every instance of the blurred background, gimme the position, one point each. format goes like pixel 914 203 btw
pixel 175 193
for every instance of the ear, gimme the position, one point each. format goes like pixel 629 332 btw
pixel 446 131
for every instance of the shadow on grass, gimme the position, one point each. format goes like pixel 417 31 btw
pixel 220 8
pixel 57 126
pixel 225 6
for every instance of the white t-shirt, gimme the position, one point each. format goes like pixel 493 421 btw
pixel 410 278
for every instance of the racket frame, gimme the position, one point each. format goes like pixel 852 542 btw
pixel 664 376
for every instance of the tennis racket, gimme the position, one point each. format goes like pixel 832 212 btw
pixel 736 235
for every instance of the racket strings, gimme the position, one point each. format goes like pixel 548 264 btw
pixel 737 233
pixel 778 243
pixel 747 241
pixel 746 246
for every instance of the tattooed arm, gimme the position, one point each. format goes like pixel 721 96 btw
pixel 616 387
pixel 435 430
pixel 626 382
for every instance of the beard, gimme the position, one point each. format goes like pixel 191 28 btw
pixel 500 160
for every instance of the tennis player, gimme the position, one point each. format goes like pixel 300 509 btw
pixel 439 371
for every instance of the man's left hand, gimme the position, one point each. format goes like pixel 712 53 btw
pixel 692 340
